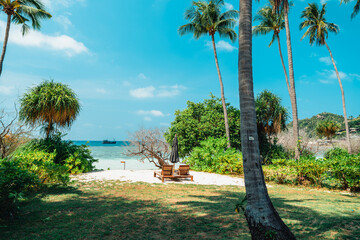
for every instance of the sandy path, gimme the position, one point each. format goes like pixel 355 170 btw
pixel 148 176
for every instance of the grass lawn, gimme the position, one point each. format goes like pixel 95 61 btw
pixel 119 210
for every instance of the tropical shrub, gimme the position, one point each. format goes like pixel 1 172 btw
pixel 212 156
pixel 15 182
pixel 335 153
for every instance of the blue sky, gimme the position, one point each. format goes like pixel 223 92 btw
pixel 131 69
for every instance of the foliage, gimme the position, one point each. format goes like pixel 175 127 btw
pixel 327 129
pixel 335 153
pixel 200 121
pixel 212 156
pixel 14 183
pixel 77 159
pixel 356 7
pixel 50 104
pixel 149 144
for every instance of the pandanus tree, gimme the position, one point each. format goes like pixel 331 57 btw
pixel 21 12
pixel 263 220
pixel 271 21
pixel 50 104
pixel 327 129
pixel 356 7
pixel 206 18
pixel 317 31
pixel 284 6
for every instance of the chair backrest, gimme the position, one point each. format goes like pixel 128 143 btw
pixel 167 170
pixel 184 169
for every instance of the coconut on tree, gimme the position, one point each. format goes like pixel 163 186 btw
pixel 261 216
pixel 317 31
pixel 21 12
pixel 206 18
pixel 50 104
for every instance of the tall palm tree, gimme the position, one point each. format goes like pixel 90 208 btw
pixel 260 213
pixel 271 21
pixel 19 12
pixel 356 7
pixel 206 18
pixel 279 6
pixel 53 105
pixel 317 31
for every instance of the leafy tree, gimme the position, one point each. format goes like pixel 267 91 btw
pixel 53 105
pixel 20 12
pixel 317 31
pixel 206 19
pixel 356 7
pixel 202 120
pixel 262 218
pixel 271 21
pixel 284 6
pixel 327 129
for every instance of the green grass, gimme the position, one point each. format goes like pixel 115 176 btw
pixel 118 210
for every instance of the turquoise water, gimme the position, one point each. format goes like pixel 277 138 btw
pixel 111 156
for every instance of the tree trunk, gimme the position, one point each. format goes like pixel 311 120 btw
pixel 343 102
pixel 48 129
pixel 5 42
pixel 292 87
pixel 283 64
pixel 262 218
pixel 222 94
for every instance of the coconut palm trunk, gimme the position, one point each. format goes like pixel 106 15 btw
pixel 343 101
pixel 5 42
pixel 292 86
pixel 283 64
pixel 260 214
pixel 222 93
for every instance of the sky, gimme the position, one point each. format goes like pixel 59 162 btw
pixel 130 68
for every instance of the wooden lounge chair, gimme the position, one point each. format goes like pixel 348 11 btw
pixel 168 172
pixel 184 172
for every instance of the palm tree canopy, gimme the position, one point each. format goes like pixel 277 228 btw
pixel 49 103
pixel 327 129
pixel 270 21
pixel 23 11
pixel 206 18
pixel 316 23
pixel 356 7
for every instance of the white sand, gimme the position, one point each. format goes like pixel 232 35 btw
pixel 148 176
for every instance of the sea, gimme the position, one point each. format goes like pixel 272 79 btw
pixel 112 156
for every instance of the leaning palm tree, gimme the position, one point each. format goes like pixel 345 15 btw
pixel 271 21
pixel 356 7
pixel 206 18
pixel 20 12
pixel 279 6
pixel 263 220
pixel 50 104
pixel 317 31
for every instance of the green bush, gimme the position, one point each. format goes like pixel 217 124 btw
pixel 77 159
pixel 310 169
pixel 15 182
pixel 335 152
pixel 212 156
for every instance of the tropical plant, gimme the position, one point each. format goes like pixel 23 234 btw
pixel 206 18
pixel 327 129
pixel 259 211
pixel 356 7
pixel 317 31
pixel 271 21
pixel 20 12
pixel 50 104
pixel 284 6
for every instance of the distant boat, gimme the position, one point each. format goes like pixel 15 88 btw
pixel 109 142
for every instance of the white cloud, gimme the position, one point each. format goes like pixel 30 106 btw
pixel 154 113
pixel 228 6
pixel 170 91
pixel 325 60
pixel 142 76
pixel 6 90
pixel 101 90
pixel 37 39
pixel 147 92
pixel 221 46
pixel 63 20
pixel 126 84
pixel 58 4
pixel 147 118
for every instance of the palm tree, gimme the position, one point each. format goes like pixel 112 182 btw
pixel 271 21
pixel 53 105
pixel 19 12
pixel 317 31
pixel 356 7
pixel 327 129
pixel 279 6
pixel 262 218
pixel 206 18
